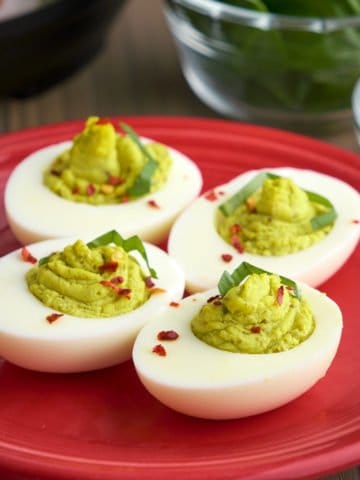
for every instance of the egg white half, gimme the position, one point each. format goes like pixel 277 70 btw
pixel 197 247
pixel 203 381
pixel 73 344
pixel 35 213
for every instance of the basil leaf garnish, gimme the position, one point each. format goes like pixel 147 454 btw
pixel 228 281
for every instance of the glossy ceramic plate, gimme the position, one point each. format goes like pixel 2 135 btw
pixel 104 425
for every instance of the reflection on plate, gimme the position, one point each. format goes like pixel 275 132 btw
pixel 104 424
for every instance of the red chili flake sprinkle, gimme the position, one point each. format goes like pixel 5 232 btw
pixel 103 121
pixel 75 190
pixel 255 329
pixel 235 242
pixel 159 350
pixel 174 304
pixel 118 279
pixel 235 228
pixel 110 284
pixel 211 195
pixel 280 295
pixel 53 317
pixel 212 299
pixel 125 198
pixel 149 282
pixel 109 267
pixel 114 180
pixel 226 257
pixel 26 256
pixel 153 204
pixel 355 221
pixel 157 290
pixel 167 335
pixel 90 190
pixel 125 292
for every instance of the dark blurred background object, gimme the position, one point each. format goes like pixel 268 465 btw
pixel 42 46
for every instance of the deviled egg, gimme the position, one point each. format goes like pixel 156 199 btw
pixel 253 344
pixel 70 306
pixel 101 180
pixel 300 223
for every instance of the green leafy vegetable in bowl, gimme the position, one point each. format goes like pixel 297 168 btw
pixel 297 56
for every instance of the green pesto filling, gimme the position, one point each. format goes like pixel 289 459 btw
pixel 258 316
pixel 102 166
pixel 274 220
pixel 89 282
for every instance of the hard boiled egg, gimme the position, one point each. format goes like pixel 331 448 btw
pixel 35 213
pixel 203 254
pixel 197 379
pixel 70 343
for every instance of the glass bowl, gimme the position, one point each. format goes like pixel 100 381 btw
pixel 286 71
pixel 356 109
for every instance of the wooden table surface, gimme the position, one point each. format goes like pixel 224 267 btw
pixel 137 73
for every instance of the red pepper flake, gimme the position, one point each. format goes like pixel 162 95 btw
pixel 157 290
pixel 118 279
pixel 235 242
pixel 226 257
pixel 211 299
pixel 75 190
pixel 355 221
pixel 221 192
pixel 125 292
pixel 255 329
pixel 167 335
pixel 53 317
pixel 102 121
pixel 280 295
pixel 153 204
pixel 211 195
pixel 174 304
pixel 159 350
pixel 235 228
pixel 109 267
pixel 125 198
pixel 149 282
pixel 27 256
pixel 90 189
pixel 110 284
pixel 215 300
pixel 114 180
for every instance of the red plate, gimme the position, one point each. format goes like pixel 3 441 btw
pixel 104 425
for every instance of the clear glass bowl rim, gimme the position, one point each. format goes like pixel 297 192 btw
pixel 264 20
pixel 355 100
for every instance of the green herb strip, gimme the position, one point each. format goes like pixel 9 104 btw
pixel 128 244
pixel 317 222
pixel 324 219
pixel 142 182
pixel 228 207
pixel 228 281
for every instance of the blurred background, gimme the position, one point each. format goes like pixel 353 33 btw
pixel 117 58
